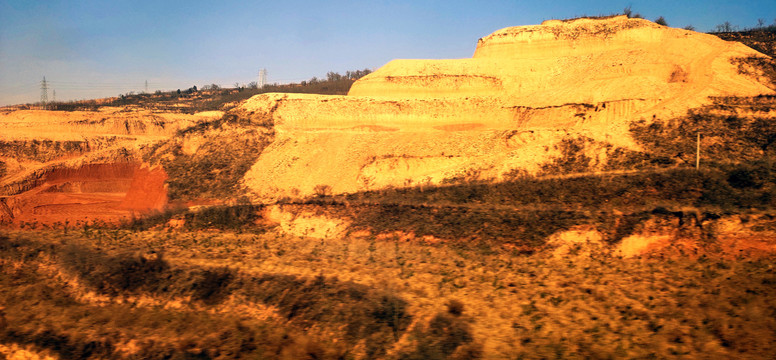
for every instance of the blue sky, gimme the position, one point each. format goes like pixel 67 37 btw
pixel 89 49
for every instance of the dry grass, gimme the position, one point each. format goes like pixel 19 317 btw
pixel 436 301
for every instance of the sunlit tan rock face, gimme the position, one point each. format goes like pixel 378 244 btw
pixel 579 61
pixel 415 122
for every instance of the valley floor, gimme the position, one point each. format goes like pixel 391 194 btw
pixel 107 293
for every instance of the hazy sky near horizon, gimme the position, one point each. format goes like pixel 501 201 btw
pixel 89 49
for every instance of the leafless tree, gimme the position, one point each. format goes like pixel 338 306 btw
pixel 725 27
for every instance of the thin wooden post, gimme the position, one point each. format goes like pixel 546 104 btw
pixel 698 153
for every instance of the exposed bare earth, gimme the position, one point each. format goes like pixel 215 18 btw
pixel 82 166
pixel 538 200
pixel 525 89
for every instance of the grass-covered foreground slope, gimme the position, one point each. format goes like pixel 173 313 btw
pixel 121 294
pixel 652 190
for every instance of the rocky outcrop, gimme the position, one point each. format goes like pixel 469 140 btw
pixel 82 166
pixel 527 88
pixel 578 61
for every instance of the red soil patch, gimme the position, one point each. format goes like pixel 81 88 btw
pixel 745 245
pixel 147 191
pixel 94 192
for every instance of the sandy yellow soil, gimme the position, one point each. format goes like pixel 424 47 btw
pixel 524 90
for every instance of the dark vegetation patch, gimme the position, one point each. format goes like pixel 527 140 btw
pixel 525 211
pixel 465 224
pixel 229 121
pixel 572 158
pixel 758 66
pixel 40 312
pixel 720 187
pixel 446 336
pixel 759 103
pixel 213 97
pixel 215 170
pixel 43 150
pixel 725 138
pixel 575 158
pixel 221 217
pixel 224 217
pixel 227 150
pixel 116 274
pixel 761 39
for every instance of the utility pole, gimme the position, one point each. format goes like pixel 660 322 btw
pixel 262 78
pixel 698 153
pixel 44 93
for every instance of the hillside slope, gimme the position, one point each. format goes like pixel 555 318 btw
pixel 82 166
pixel 525 91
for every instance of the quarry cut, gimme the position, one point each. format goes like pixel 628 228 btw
pixel 525 89
pixel 74 167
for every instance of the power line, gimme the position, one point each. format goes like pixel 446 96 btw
pixel 35 85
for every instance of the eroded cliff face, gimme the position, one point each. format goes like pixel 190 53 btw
pixel 584 61
pixel 82 166
pixel 85 194
pixel 526 89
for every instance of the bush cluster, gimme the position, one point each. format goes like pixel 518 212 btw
pixel 213 96
pixel 214 171
pixel 448 335
pixel 352 312
pixel 42 150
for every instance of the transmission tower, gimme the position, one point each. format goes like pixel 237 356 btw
pixel 146 87
pixel 44 93
pixel 53 95
pixel 262 78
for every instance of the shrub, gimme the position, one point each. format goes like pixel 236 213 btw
pixel 224 217
pixel 572 159
pixel 455 307
pixel 47 150
pixel 725 138
pixel 365 311
pixel 215 170
pixel 322 190
pixel 442 338
pixel 742 177
pixel 210 286
pixel 113 275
